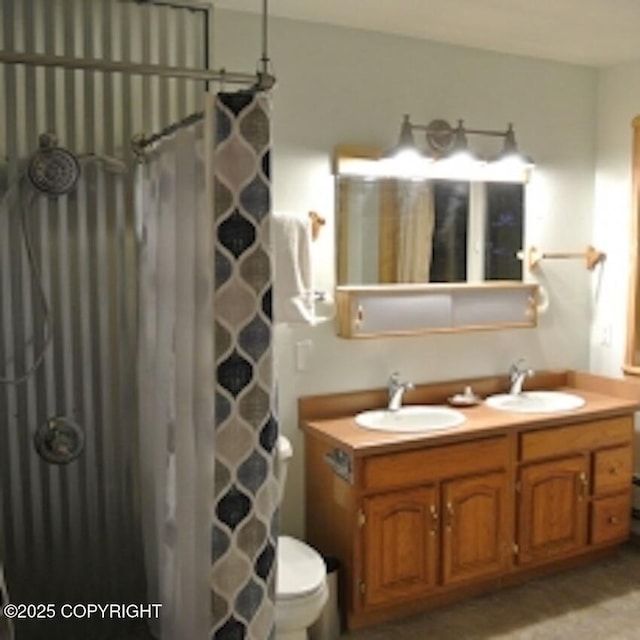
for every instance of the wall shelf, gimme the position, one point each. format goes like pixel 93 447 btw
pixel 401 310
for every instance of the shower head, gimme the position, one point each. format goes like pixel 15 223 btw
pixel 52 169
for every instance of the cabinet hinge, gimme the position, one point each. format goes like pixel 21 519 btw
pixel 516 549
pixel 362 587
pixel 361 518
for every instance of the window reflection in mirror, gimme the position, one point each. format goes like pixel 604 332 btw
pixel 504 230
pixel 418 231
pixel 450 247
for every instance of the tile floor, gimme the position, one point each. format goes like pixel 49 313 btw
pixel 600 601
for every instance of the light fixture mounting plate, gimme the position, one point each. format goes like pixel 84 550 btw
pixel 440 135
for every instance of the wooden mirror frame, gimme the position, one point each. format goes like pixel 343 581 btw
pixel 631 366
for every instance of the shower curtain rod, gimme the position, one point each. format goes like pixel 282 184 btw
pixel 139 142
pixel 95 64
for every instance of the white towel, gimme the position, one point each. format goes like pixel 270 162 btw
pixel 293 281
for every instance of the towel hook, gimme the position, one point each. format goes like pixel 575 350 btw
pixel 317 222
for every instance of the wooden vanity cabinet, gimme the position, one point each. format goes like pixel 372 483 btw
pixel 476 538
pixel 574 488
pixel 400 545
pixel 417 539
pixel 425 524
pixel 611 505
pixel 552 508
pixel 426 519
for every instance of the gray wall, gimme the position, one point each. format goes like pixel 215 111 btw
pixel 348 86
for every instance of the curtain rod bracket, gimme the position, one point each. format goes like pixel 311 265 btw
pixel 265 81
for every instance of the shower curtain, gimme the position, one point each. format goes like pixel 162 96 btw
pixel 210 521
pixel 176 378
pixel 245 523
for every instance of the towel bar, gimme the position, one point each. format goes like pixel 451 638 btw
pixel 533 256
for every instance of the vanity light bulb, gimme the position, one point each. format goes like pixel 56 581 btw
pixel 407 163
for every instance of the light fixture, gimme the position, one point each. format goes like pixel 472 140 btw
pixel 459 152
pixel 449 145
pixel 510 152
pixel 406 134
pixel 406 158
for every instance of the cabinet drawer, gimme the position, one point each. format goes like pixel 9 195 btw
pixel 557 441
pixel 610 518
pixel 411 468
pixel 612 470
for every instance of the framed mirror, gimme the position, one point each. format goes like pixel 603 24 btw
pixel 392 231
pixel 448 229
pixel 444 249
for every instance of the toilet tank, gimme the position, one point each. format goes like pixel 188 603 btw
pixel 285 451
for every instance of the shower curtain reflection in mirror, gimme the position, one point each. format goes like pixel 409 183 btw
pixel 416 220
pixel 176 377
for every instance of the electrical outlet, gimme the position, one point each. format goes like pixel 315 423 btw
pixel 605 334
pixel 303 353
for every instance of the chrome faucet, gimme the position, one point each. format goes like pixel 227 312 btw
pixel 517 376
pixel 396 391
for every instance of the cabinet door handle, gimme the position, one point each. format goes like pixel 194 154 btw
pixel 614 520
pixel 583 486
pixel 434 520
pixel 449 515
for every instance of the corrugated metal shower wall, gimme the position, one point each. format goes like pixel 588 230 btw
pixel 72 534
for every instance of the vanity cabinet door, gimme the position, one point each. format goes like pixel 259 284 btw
pixel 552 518
pixel 475 527
pixel 400 545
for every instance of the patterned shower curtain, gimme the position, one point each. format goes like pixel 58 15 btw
pixel 176 378
pixel 245 522
pixel 209 496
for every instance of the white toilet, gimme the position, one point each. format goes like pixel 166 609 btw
pixel 301 582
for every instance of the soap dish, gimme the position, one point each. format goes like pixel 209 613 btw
pixel 466 399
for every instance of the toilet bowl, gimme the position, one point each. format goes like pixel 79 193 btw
pixel 301 588
pixel 301 578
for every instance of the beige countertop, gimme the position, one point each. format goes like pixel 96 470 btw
pixel 605 397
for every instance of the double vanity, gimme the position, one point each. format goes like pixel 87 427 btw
pixel 430 504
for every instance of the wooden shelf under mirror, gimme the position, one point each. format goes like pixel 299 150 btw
pixel 401 310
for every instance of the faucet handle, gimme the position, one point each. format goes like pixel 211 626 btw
pixel 515 368
pixel 395 382
pixel 517 375
pixel 396 389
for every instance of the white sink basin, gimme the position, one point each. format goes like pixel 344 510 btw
pixel 536 402
pixel 411 419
